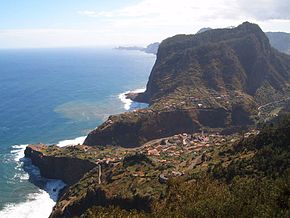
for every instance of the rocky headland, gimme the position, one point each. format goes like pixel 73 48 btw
pixel 150 49
pixel 217 123
pixel 214 79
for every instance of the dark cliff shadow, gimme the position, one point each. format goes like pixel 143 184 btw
pixel 52 187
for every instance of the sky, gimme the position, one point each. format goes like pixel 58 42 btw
pixel 85 23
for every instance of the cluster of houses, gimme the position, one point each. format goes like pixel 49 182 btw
pixel 180 144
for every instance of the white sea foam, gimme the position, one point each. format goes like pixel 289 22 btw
pixel 128 102
pixel 76 141
pixel 18 154
pixel 40 204
pixel 18 151
pixel 37 206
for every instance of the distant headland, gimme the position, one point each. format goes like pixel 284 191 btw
pixel 150 49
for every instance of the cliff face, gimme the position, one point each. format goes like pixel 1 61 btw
pixel 214 79
pixel 68 169
pixel 135 128
pixel 222 60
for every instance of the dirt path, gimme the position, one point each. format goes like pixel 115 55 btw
pixel 100 173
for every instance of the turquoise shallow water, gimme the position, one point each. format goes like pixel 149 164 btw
pixel 49 95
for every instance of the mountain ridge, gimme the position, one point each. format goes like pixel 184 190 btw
pixel 279 40
pixel 256 41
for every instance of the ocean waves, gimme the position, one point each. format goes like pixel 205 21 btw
pixel 40 203
pixel 76 141
pixel 128 103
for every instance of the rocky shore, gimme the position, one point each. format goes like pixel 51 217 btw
pixel 68 169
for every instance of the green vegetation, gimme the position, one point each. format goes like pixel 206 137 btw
pixel 138 158
pixel 271 150
pixel 246 175
pixel 249 179
pixel 221 60
pixel 208 198
pixel 186 175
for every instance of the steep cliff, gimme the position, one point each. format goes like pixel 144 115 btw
pixel 221 60
pixel 215 79
pixel 136 128
pixel 66 168
pixel 133 129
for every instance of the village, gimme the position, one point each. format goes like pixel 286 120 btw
pixel 213 100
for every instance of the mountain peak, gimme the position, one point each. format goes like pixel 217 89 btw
pixel 250 28
pixel 220 60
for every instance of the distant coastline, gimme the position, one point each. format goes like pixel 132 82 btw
pixel 150 49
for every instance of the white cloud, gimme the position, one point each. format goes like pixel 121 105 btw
pixel 159 19
pixel 164 12
pixel 88 13
pixel 153 20
pixel 153 13
pixel 266 9
pixel 263 9
pixel 164 18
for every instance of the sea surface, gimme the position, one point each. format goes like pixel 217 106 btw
pixel 56 96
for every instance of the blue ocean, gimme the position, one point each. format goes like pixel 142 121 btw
pixel 56 96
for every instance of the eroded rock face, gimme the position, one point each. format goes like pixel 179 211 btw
pixel 136 128
pixel 68 169
pixel 222 60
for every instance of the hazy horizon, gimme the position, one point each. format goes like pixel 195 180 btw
pixel 91 23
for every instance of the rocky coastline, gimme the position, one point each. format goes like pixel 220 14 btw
pixel 201 87
pixel 68 169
